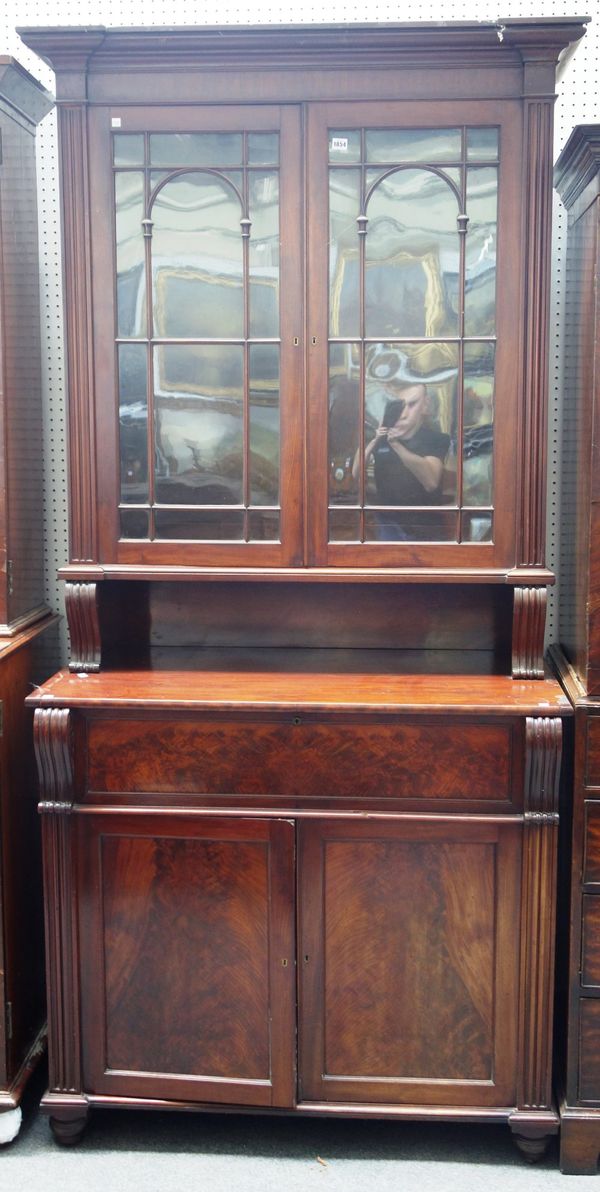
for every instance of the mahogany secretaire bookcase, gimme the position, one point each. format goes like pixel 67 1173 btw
pixel 24 618
pixel 578 661
pixel 300 780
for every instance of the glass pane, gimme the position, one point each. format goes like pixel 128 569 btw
pixel 197 525
pixel 344 422
pixel 264 254
pixel 128 149
pixel 344 269
pixel 482 144
pixel 130 254
pixel 413 144
pixel 412 256
pixel 344 525
pixel 198 412
pixel 196 149
pixel 372 175
pixel 480 264
pixel 410 423
pixel 410 525
pixel 197 259
pixel 478 423
pixel 344 145
pixel 133 422
pixel 263 148
pixel 476 527
pixel 263 525
pixel 264 424
pixel 134 523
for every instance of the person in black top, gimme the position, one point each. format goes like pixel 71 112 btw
pixel 408 455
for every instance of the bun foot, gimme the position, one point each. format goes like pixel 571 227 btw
pixel 68 1131
pixel 532 1149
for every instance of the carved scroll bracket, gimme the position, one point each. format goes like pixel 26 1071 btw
pixel 543 745
pixel 52 739
pixel 81 602
pixel 52 743
pixel 529 626
pixel 543 751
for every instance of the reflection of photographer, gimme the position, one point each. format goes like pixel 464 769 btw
pixel 408 457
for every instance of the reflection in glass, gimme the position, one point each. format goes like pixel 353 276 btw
pixel 413 144
pixel 410 413
pixel 480 249
pixel 344 525
pixel 198 411
pixel 410 526
pixel 131 287
pixel 196 149
pixel 264 423
pixel 263 525
pixel 197 259
pixel 344 145
pixel 478 423
pixel 482 144
pixel 263 148
pixel 410 416
pixel 412 256
pixel 344 269
pixel 344 421
pixel 476 527
pixel 134 523
pixel 264 253
pixel 133 422
pixel 200 525
pixel 128 149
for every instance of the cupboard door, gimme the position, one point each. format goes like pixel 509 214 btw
pixel 413 383
pixel 187 958
pixel 409 946
pixel 198 316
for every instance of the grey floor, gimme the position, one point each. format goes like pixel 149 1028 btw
pixel 170 1152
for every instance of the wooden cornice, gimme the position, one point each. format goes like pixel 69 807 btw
pixel 22 92
pixel 64 49
pixel 342 45
pixel 544 39
pixel 579 163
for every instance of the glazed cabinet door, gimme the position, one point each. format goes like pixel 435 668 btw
pixel 414 240
pixel 409 945
pixel 187 957
pixel 198 317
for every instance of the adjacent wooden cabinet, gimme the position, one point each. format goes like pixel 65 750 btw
pixel 300 780
pixel 25 620
pixel 577 660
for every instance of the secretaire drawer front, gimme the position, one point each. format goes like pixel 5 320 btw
pixel 302 758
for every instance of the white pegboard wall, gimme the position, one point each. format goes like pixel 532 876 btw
pixel 578 102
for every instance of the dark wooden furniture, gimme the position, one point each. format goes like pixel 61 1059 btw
pixel 578 660
pixel 24 618
pixel 302 773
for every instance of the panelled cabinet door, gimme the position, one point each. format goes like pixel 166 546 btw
pixel 414 332
pixel 187 958
pixel 198 307
pixel 409 945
